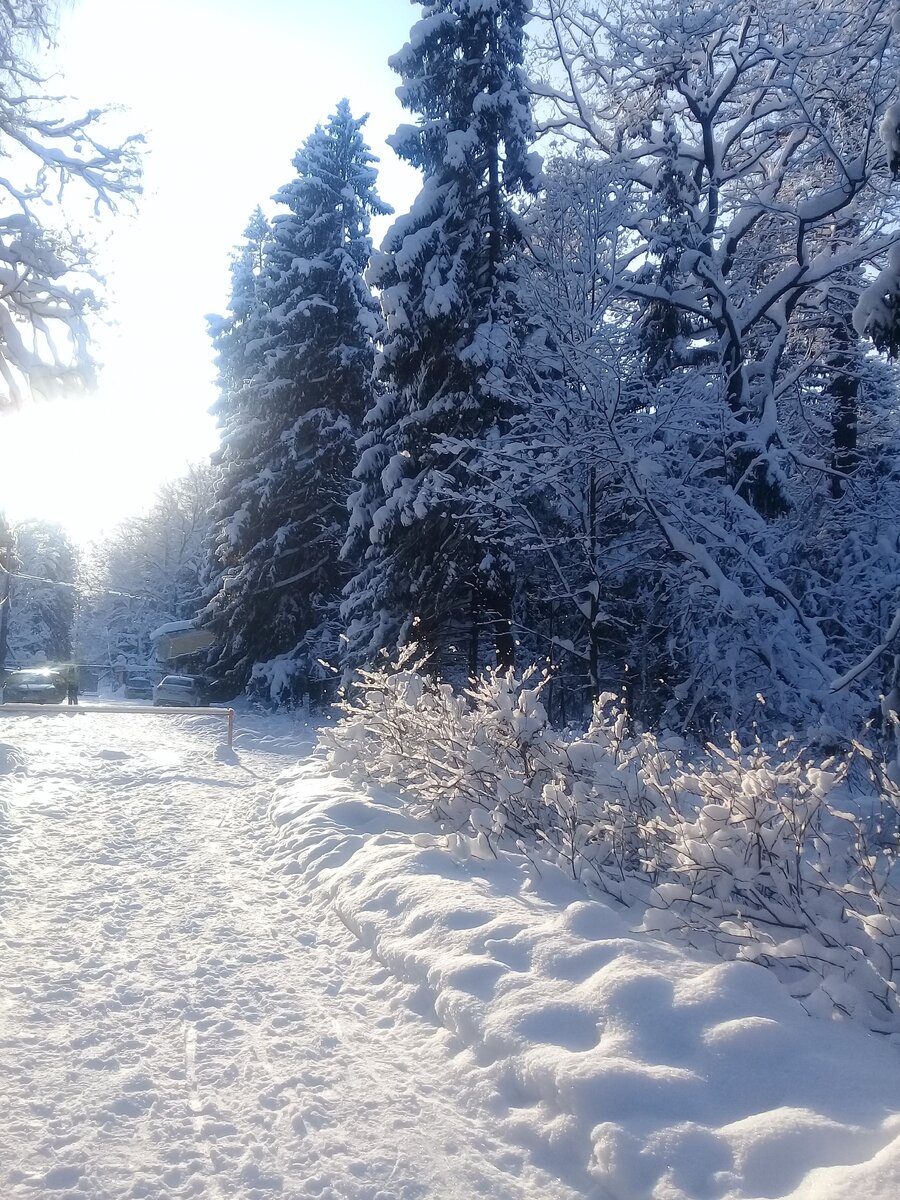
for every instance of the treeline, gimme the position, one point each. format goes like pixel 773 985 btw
pixel 148 571
pixel 38 596
pixel 99 604
pixel 617 411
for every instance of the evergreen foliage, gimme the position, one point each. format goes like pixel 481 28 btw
pixel 296 360
pixel 237 338
pixel 623 414
pixel 448 283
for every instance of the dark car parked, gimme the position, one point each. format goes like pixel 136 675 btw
pixel 33 687
pixel 138 687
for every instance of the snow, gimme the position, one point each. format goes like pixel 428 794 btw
pixel 171 627
pixel 178 1019
pixel 237 975
pixel 624 1065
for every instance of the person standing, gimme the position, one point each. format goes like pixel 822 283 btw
pixel 72 685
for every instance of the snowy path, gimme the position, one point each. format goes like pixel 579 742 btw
pixel 175 1021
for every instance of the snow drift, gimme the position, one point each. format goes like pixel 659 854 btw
pixel 628 1066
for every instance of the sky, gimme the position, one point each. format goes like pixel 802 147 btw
pixel 225 91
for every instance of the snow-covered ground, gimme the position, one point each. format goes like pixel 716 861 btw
pixel 628 1067
pixel 235 976
pixel 177 1018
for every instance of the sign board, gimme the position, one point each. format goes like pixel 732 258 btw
pixel 182 642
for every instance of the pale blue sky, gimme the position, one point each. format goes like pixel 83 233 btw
pixel 226 90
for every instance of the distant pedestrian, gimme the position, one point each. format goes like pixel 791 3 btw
pixel 72 687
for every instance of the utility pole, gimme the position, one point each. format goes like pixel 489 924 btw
pixel 7 559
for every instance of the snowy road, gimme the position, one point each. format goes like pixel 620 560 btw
pixel 176 1020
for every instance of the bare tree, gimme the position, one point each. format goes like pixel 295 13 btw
pixel 46 270
pixel 744 424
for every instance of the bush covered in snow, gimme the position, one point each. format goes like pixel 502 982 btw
pixel 758 853
pixel 292 680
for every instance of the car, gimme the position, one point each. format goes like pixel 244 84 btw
pixel 137 687
pixel 35 686
pixel 178 691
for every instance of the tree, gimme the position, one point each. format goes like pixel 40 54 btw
pixel 42 596
pixel 304 404
pixel 149 571
pixel 559 475
pixel 447 277
pixel 237 340
pixel 745 137
pixel 45 272
pixel 7 563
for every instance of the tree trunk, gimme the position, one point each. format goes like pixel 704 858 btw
pixel 473 634
pixel 5 603
pixel 844 390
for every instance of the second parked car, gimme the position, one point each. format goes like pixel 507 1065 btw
pixel 138 688
pixel 178 691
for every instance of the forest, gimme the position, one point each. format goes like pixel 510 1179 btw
pixel 485 778
pixel 609 398
pixel 615 398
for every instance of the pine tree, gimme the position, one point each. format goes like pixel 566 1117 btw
pixel 448 284
pixel 664 330
pixel 304 405
pixel 237 339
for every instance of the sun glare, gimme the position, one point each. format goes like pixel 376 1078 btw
pixel 86 463
pixel 225 94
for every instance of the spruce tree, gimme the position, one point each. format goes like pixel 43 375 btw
pixel 664 331
pixel 426 571
pixel 306 404
pixel 236 338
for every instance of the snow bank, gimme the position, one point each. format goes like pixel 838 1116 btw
pixel 12 761
pixel 624 1063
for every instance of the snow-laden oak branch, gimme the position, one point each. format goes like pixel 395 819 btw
pixel 46 271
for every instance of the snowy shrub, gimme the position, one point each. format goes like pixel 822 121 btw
pixel 765 866
pixel 487 765
pixel 291 681
pixel 489 751
pixel 744 851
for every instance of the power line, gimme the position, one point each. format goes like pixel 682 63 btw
pixel 75 586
